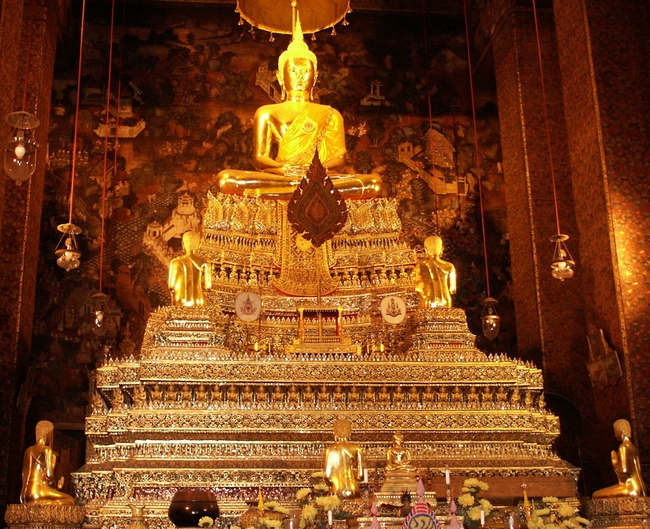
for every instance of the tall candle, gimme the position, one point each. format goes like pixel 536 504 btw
pixel 482 517
pixel 365 475
pixel 447 476
pixel 291 524
pixel 329 517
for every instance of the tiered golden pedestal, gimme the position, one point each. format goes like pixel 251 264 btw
pixel 41 516
pixel 200 407
pixel 626 512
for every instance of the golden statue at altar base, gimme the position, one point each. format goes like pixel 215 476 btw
pixel 189 274
pixel 435 279
pixel 401 476
pixel 38 471
pixel 296 127
pixel 344 462
pixel 627 466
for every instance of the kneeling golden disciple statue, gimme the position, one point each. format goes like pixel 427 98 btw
pixel 435 279
pixel 296 128
pixel 189 274
pixel 344 462
pixel 627 466
pixel 38 471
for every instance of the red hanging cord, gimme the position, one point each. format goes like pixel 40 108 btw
pixel 29 52
pixel 106 134
pixel 73 169
pixel 548 129
pixel 478 157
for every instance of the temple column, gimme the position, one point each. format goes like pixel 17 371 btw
pixel 20 215
pixel 604 54
pixel 550 314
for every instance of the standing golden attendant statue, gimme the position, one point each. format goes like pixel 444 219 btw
pixel 189 274
pixel 344 462
pixel 627 466
pixel 38 471
pixel 296 128
pixel 435 279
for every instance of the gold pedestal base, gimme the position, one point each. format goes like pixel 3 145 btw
pixel 400 480
pixel 43 516
pixel 625 512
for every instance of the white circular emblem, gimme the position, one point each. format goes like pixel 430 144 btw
pixel 248 306
pixel 393 309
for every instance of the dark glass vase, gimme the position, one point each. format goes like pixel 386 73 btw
pixel 189 506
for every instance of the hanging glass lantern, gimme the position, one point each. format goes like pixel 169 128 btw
pixel 101 313
pixel 20 147
pixel 490 318
pixel 67 250
pixel 563 265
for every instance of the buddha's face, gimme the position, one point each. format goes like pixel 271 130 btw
pixel 298 74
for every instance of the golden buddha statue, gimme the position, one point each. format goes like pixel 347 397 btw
pixel 627 466
pixel 261 395
pixel 384 395
pixel 399 397
pixel 414 396
pixel 277 395
pixel 428 396
pixel 502 395
pixel 443 394
pixel 38 471
pixel 323 395
pixel 293 395
pixel 354 396
pixel 189 274
pixel 398 456
pixel 156 395
pixel 186 394
pixel 140 396
pixel 457 395
pixel 232 395
pixel 201 394
pixel 308 395
pixel 435 279
pixel 344 461
pixel 400 474
pixel 295 128
pixel 172 394
pixel 486 396
pixel 369 394
pixel 247 395
pixel 472 397
pixel 338 397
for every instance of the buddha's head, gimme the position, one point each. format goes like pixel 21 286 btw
pixel 297 65
pixel 342 429
pixel 622 429
pixel 44 431
pixel 191 241
pixel 433 245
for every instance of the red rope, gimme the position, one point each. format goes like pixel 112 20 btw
pixel 478 158
pixel 548 129
pixel 73 169
pixel 106 134
pixel 29 53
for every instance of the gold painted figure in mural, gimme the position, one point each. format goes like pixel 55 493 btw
pixel 344 461
pixel 435 279
pixel 38 470
pixel 295 128
pixel 189 274
pixel 627 466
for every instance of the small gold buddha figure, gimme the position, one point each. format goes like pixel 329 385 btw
pixel 156 395
pixel 627 466
pixel 435 279
pixel 140 396
pixel 443 395
pixel 541 402
pixel 308 395
pixel 232 395
pixel 293 395
pixel 323 395
pixel 118 399
pixel 472 397
pixel 278 395
pixel 457 395
pixel 529 400
pixel 515 398
pixel 398 456
pixel 502 395
pixel 247 395
pixel 343 461
pixel 189 274
pixel 428 396
pixel 338 397
pixel 261 396
pixel 98 405
pixel 39 463
pixel 186 395
pixel 384 395
pixel 172 394
pixel 215 394
pixel 486 396
pixel 294 129
pixel 369 394
pixel 354 397
pixel 399 397
pixel 201 394
pixel 414 396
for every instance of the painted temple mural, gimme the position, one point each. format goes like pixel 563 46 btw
pixel 186 82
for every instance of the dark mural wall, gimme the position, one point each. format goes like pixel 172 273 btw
pixel 186 81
